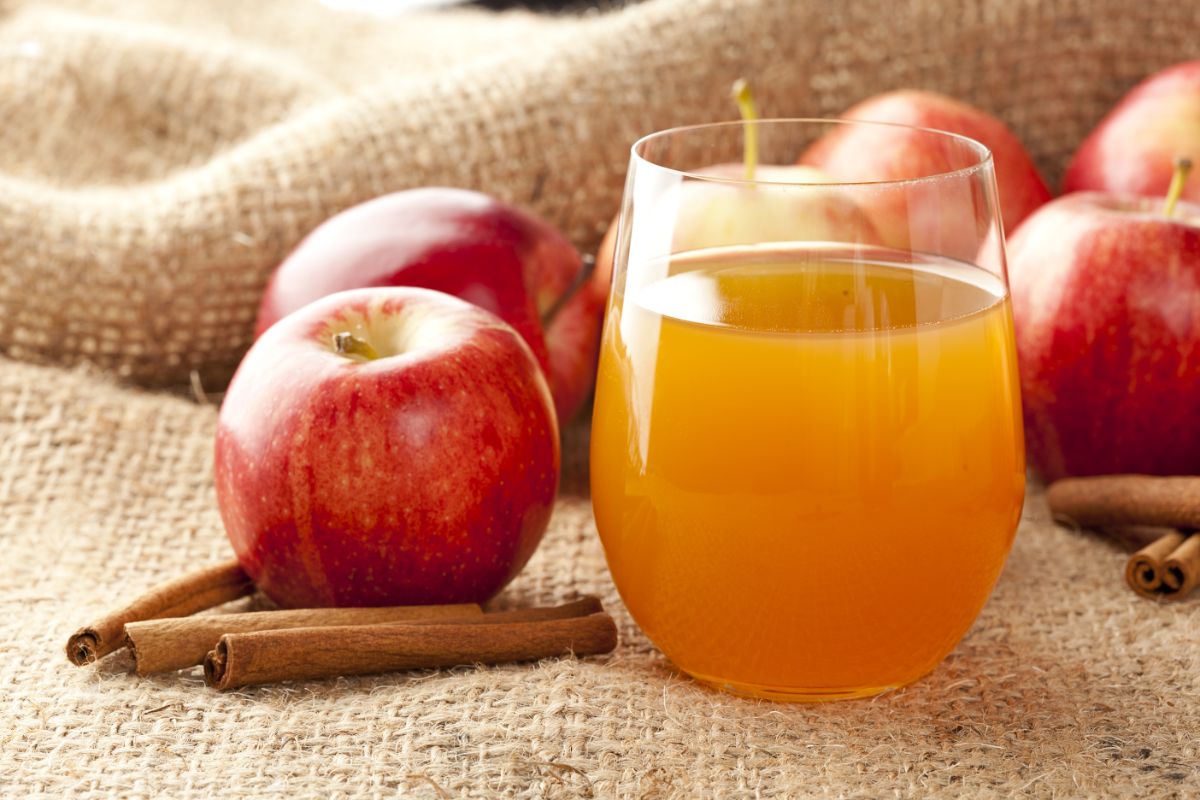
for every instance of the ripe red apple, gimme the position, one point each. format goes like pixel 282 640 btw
pixel 1106 299
pixel 751 203
pixel 777 209
pixel 879 153
pixel 469 245
pixel 784 202
pixel 716 214
pixel 1132 149
pixel 386 446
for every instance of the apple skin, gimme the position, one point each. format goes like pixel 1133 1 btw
pixel 714 214
pixel 1133 149
pixel 1106 301
pixel 466 244
pixel 879 153
pixel 425 476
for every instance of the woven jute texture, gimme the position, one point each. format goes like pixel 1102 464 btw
pixel 1068 685
pixel 159 158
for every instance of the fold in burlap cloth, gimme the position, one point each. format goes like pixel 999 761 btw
pixel 157 159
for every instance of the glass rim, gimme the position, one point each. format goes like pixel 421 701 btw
pixel 983 154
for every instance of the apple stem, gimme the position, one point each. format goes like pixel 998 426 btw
pixel 1182 167
pixel 745 102
pixel 588 266
pixel 347 344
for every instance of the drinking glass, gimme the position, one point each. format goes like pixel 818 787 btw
pixel 807 457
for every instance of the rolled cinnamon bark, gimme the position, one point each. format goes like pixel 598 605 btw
pixel 180 597
pixel 1145 568
pixel 244 659
pixel 165 645
pixel 1181 569
pixel 1109 500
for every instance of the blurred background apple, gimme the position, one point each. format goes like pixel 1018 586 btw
pixel 1133 149
pixel 774 209
pixel 758 203
pixel 852 153
pixel 469 245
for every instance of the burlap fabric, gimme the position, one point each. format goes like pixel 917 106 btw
pixel 1068 686
pixel 157 159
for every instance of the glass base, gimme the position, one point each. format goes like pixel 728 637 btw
pixel 790 694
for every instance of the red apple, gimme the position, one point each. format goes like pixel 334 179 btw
pixel 1132 149
pixel 386 447
pixel 469 245
pixel 1106 298
pixel 717 214
pixel 879 153
pixel 751 203
pixel 786 205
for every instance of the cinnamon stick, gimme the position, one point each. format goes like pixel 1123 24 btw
pixel 179 597
pixel 166 645
pixel 244 659
pixel 1144 570
pixel 1181 570
pixel 1106 500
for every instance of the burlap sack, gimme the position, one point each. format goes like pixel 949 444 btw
pixel 158 158
pixel 1068 686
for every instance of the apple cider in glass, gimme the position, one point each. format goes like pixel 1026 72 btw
pixel 808 464
pixel 807 455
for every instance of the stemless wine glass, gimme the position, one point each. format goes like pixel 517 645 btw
pixel 807 455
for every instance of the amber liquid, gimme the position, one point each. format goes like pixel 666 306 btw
pixel 807 466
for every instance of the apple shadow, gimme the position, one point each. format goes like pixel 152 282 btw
pixel 576 437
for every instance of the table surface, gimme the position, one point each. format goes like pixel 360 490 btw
pixel 1068 685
